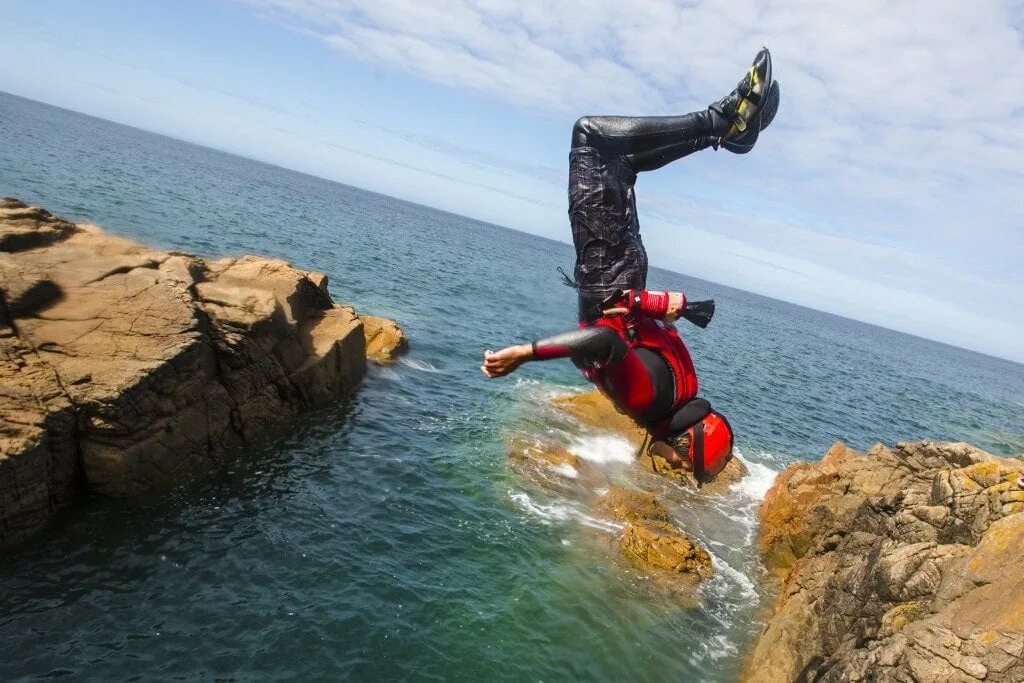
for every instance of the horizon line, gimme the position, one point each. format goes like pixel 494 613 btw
pixel 307 174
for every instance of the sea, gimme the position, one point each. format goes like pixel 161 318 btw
pixel 389 536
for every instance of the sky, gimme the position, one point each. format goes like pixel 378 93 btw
pixel 889 189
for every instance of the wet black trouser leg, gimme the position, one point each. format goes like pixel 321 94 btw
pixel 648 142
pixel 607 153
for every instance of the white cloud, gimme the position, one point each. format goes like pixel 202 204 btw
pixel 896 155
pixel 908 102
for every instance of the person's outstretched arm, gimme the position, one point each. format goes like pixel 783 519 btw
pixel 588 345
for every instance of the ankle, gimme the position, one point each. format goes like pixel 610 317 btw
pixel 719 120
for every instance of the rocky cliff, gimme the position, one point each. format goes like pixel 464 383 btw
pixel 902 564
pixel 123 366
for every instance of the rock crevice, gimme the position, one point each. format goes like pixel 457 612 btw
pixel 123 366
pixel 899 564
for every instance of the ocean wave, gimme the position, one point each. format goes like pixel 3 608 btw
pixel 387 373
pixel 759 479
pixel 559 512
pixel 733 578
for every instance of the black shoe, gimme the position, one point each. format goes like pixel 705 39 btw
pixel 744 142
pixel 739 116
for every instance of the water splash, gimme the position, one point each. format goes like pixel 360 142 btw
pixel 559 512
pixel 603 449
pixel 566 470
pixel 421 365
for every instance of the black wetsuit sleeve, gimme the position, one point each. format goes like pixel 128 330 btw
pixel 587 345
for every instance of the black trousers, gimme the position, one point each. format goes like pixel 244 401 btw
pixel 607 153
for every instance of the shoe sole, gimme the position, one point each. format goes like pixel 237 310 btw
pixel 743 147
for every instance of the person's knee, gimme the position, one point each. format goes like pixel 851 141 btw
pixel 582 130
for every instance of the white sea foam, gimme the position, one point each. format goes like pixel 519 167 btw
pixel 421 365
pixel 389 373
pixel 757 482
pixel 550 513
pixel 740 505
pixel 603 449
pixel 566 470
pixel 734 577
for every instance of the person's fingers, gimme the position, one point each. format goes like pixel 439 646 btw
pixel 609 312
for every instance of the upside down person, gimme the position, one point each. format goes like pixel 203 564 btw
pixel 626 342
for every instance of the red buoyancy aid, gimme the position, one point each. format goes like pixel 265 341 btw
pixel 632 397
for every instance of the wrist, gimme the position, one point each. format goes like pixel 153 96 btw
pixel 526 351
pixel 676 306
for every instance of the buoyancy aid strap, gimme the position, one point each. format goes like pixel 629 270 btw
pixel 689 414
pixel 698 452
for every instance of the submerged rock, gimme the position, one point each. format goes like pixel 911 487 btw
pixel 650 539
pixel 899 564
pixel 123 366
pixel 652 542
pixel 632 505
pixel 594 409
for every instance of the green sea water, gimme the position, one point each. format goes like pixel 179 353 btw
pixel 388 536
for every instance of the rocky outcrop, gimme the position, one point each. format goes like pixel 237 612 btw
pixel 902 564
pixel 649 538
pixel 385 340
pixel 123 366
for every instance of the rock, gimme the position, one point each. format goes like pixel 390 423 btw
pixel 899 564
pixel 649 538
pixel 550 466
pixel 385 340
pixel 593 409
pixel 660 545
pixel 124 367
pixel 632 505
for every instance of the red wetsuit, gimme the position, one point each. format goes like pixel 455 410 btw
pixel 639 362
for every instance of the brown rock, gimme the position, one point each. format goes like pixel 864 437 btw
pixel 123 366
pixel 660 545
pixel 593 408
pixel 385 340
pixel 649 538
pixel 899 564
pixel 632 505
pixel 548 465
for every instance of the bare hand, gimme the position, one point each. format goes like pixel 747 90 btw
pixel 676 307
pixel 504 362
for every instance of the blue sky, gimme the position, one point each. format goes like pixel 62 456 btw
pixel 890 188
